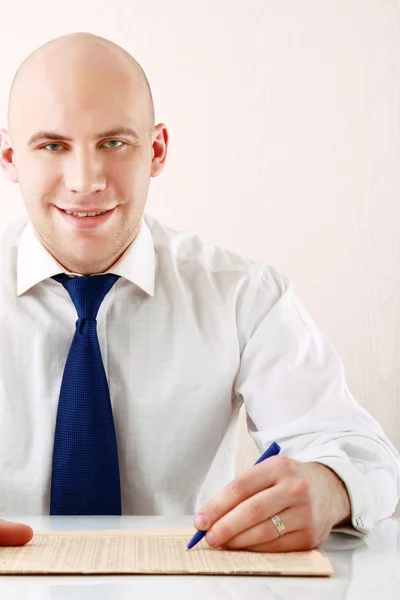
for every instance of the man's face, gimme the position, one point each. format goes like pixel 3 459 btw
pixel 84 144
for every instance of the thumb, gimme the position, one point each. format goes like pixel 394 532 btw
pixel 14 534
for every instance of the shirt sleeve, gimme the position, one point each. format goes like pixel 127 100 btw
pixel 293 386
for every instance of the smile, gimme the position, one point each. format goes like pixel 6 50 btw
pixel 85 214
pixel 88 219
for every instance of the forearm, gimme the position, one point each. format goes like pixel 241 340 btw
pixel 363 459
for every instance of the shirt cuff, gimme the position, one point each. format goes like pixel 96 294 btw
pixel 360 495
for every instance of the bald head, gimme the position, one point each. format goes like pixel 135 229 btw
pixel 82 139
pixel 76 58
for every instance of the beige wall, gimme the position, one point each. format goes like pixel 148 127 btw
pixel 285 142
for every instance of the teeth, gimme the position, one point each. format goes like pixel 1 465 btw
pixel 84 214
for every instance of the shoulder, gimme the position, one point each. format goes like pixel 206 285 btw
pixel 252 285
pixel 187 247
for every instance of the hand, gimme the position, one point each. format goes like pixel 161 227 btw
pixel 308 497
pixel 14 534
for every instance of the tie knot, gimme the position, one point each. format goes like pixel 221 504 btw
pixel 88 292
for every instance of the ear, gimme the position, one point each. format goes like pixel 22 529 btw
pixel 159 149
pixel 7 156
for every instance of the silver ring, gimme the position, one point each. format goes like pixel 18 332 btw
pixel 279 525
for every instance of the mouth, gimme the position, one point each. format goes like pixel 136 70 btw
pixel 85 214
pixel 85 219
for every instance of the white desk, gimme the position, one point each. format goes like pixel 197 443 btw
pixel 366 569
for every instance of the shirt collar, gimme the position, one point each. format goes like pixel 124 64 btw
pixel 35 263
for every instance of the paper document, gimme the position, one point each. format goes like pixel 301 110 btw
pixel 158 551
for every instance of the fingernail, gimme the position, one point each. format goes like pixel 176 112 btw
pixel 210 539
pixel 201 521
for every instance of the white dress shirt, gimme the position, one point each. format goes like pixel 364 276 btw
pixel 187 334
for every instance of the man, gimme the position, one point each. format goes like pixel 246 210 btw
pixel 139 414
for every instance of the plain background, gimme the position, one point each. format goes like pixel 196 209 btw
pixel 284 120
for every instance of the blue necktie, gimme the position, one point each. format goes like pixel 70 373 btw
pixel 85 475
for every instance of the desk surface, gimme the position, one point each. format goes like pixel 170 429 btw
pixel 367 569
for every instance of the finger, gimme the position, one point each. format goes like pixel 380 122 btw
pixel 250 513
pixel 296 541
pixel 14 534
pixel 254 480
pixel 294 519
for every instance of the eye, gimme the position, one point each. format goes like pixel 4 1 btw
pixel 114 144
pixel 53 147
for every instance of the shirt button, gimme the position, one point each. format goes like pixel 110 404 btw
pixel 359 521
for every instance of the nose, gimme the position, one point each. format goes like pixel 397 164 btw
pixel 85 173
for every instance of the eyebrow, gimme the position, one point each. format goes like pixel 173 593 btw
pixel 54 136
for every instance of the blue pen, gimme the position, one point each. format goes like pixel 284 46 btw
pixel 273 450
